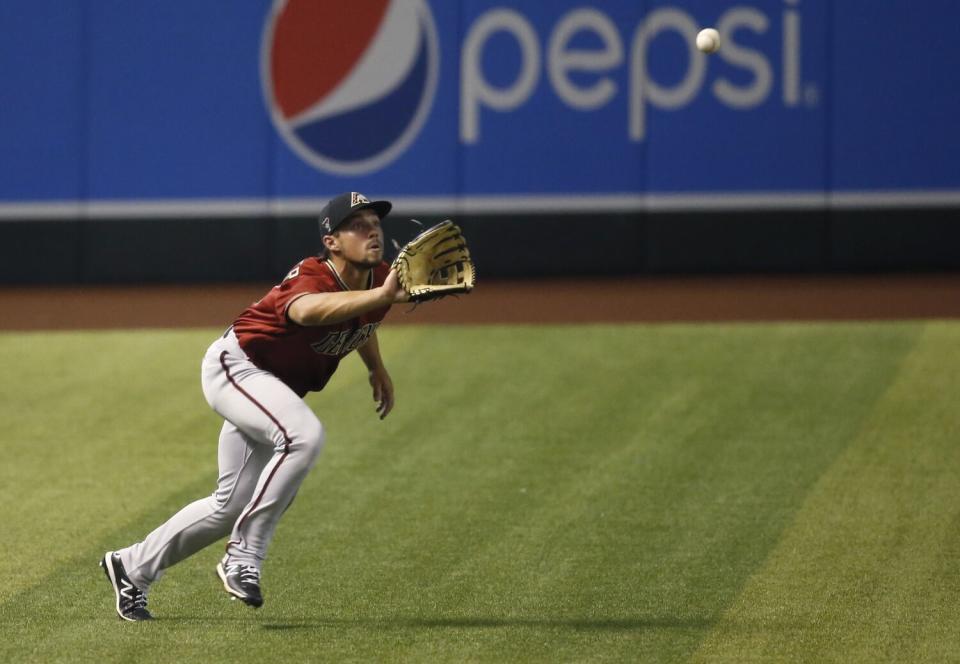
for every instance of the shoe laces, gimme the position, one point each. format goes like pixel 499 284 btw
pixel 132 598
pixel 140 601
pixel 247 573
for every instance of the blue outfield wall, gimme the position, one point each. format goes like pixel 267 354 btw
pixel 822 135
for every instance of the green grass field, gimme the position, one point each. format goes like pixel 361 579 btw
pixel 729 493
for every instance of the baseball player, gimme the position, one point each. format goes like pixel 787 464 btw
pixel 255 376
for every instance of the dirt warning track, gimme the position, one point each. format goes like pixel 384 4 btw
pixel 656 299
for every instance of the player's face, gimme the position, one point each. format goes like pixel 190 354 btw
pixel 361 239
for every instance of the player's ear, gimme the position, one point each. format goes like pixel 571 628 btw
pixel 331 242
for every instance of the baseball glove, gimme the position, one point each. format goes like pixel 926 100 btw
pixel 435 264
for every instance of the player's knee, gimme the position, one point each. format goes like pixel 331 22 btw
pixel 231 512
pixel 227 506
pixel 310 438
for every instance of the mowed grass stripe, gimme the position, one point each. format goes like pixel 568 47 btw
pixel 563 493
pixel 108 434
pixel 96 428
pixel 659 441
pixel 99 429
pixel 870 569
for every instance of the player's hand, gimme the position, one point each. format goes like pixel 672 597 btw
pixel 392 289
pixel 382 390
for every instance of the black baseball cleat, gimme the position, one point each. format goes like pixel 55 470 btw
pixel 131 601
pixel 242 582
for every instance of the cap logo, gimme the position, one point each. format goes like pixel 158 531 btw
pixel 356 198
pixel 326 224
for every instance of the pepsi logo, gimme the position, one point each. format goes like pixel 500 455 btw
pixel 349 85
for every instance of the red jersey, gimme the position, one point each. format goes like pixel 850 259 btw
pixel 304 357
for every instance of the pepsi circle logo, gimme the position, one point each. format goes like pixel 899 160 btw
pixel 349 85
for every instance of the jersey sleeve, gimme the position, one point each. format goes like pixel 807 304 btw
pixel 304 279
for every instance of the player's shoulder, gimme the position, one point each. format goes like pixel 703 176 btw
pixel 311 272
pixel 322 274
pixel 312 265
pixel 315 267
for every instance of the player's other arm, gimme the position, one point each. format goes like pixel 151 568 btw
pixel 379 378
pixel 332 308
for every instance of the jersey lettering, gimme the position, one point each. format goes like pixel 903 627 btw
pixel 341 343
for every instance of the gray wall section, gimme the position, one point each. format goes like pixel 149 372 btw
pixel 896 240
pixel 741 242
pixel 194 250
pixel 40 252
pixel 110 251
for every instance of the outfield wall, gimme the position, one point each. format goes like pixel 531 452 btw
pixel 264 248
pixel 175 141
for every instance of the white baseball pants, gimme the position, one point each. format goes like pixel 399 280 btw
pixel 269 442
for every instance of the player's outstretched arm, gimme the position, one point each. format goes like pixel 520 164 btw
pixel 331 308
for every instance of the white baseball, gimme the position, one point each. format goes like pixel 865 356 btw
pixel 708 40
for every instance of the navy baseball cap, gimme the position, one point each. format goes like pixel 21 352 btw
pixel 340 207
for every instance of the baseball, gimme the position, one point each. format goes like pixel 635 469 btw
pixel 708 40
